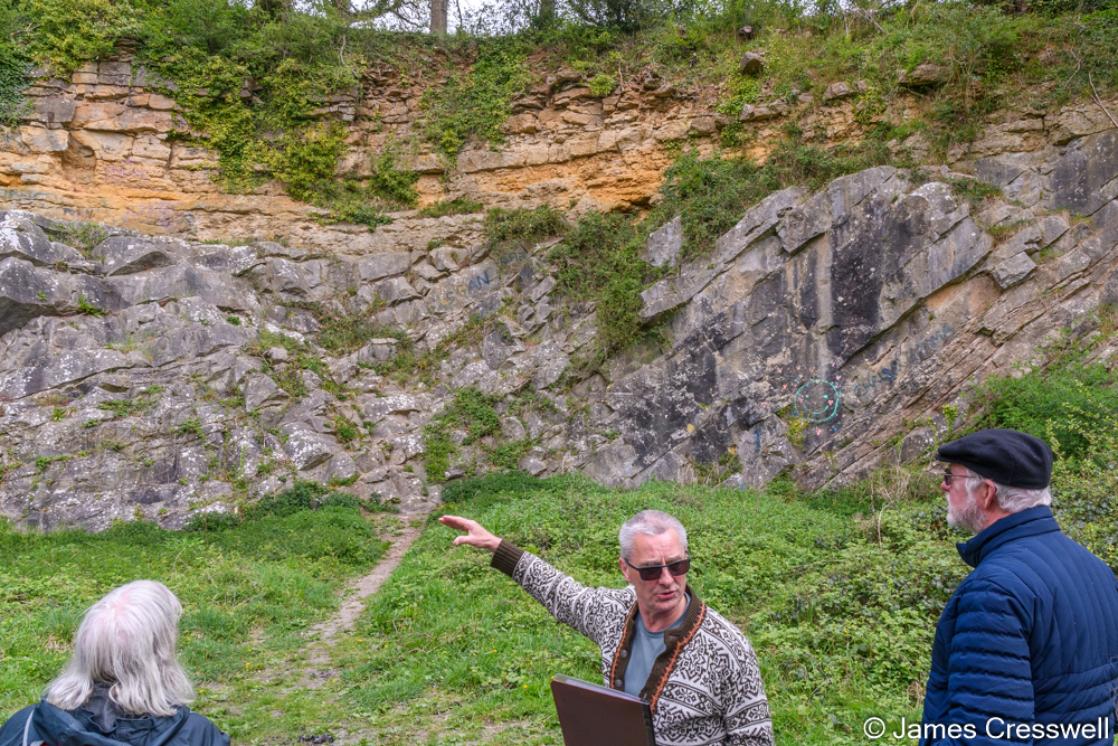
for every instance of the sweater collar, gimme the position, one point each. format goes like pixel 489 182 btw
pixel 1028 522
pixel 675 640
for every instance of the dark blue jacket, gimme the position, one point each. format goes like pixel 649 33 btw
pixel 100 726
pixel 1029 637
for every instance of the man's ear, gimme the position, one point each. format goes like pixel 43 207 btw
pixel 989 499
pixel 621 567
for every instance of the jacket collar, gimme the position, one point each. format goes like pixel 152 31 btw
pixel 1028 522
pixel 76 727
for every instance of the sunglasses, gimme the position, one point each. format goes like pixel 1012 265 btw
pixel 653 572
pixel 948 476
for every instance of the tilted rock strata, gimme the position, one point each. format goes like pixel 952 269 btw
pixel 134 379
pixel 824 324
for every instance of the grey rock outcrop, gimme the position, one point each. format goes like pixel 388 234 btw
pixel 823 334
pixel 827 323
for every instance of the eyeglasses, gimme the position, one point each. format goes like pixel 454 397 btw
pixel 948 476
pixel 653 572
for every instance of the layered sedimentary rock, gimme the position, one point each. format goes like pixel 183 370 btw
pixel 102 146
pixel 162 376
pixel 824 333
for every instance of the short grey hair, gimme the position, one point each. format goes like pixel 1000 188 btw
pixel 1013 499
pixel 126 641
pixel 649 523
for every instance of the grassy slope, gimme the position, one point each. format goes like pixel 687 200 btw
pixel 249 591
pixel 839 594
pixel 451 651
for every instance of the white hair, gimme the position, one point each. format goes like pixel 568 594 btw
pixel 1012 499
pixel 126 641
pixel 649 523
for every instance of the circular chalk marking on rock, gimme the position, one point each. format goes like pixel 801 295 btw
pixel 817 401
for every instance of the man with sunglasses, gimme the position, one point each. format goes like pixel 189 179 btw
pixel 660 642
pixel 1026 650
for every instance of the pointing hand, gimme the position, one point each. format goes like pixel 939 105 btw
pixel 476 535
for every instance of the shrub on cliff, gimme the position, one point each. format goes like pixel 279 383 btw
pixel 1072 403
pixel 475 102
pixel 14 69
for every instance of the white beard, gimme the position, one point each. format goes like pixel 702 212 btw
pixel 968 519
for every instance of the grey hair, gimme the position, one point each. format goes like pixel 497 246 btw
pixel 649 523
pixel 1013 499
pixel 127 641
pixel 1016 499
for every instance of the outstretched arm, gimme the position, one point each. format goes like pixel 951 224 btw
pixel 585 609
pixel 476 535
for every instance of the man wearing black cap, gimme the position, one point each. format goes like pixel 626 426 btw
pixel 1026 650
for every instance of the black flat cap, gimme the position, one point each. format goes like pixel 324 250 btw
pixel 1008 457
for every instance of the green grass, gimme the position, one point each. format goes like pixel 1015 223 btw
pixel 843 624
pixel 456 206
pixel 838 591
pixel 250 589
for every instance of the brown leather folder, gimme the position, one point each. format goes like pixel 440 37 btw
pixel 593 715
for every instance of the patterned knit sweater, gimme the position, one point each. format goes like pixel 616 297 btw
pixel 705 688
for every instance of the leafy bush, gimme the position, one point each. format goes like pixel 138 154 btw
pixel 594 251
pixel 390 184
pixel 1072 404
pixel 70 32
pixel 508 231
pixel 14 66
pixel 456 206
pixel 1069 404
pixel 1087 42
pixel 1085 494
pixel 476 103
pixel 602 85
pixel 710 195
pixel 307 161
pixel 600 260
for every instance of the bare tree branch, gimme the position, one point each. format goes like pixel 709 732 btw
pixel 1098 100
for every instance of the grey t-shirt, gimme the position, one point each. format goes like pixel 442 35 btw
pixel 647 647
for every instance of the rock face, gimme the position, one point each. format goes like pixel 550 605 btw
pixel 158 377
pixel 155 377
pixel 100 146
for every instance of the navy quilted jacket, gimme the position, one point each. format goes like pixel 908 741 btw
pixel 1028 642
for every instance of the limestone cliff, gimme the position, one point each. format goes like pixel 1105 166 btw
pixel 157 376
pixel 100 147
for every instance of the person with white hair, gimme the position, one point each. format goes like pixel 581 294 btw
pixel 123 683
pixel 659 642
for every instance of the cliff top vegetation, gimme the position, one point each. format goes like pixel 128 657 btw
pixel 256 80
